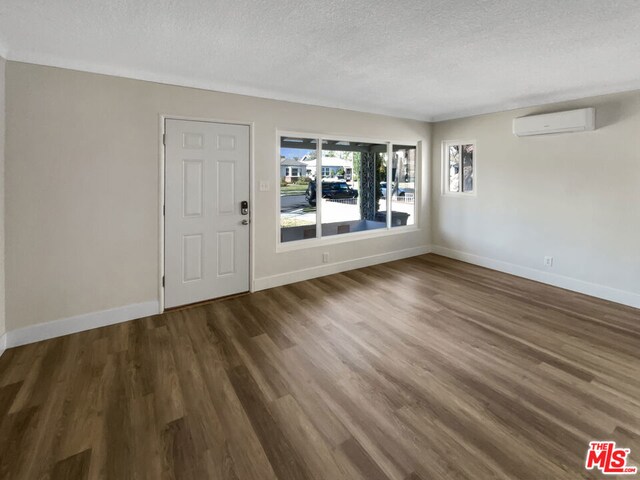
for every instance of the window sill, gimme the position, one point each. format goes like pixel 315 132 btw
pixel 344 238
pixel 459 195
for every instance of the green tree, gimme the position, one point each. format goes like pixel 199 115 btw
pixel 356 166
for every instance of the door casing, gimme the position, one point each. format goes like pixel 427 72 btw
pixel 161 194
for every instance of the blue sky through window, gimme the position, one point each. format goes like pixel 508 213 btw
pixel 294 152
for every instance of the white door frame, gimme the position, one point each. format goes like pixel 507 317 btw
pixel 161 192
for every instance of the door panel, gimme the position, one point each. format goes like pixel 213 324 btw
pixel 191 258
pixel 226 244
pixel 192 187
pixel 225 190
pixel 206 242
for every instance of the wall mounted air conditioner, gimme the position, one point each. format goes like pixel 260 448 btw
pixel 561 122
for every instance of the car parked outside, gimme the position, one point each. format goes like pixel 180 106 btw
pixel 331 190
pixel 383 187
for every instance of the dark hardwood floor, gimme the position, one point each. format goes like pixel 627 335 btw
pixel 424 368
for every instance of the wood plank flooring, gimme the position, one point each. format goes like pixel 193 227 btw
pixel 424 368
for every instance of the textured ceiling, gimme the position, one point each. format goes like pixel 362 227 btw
pixel 423 59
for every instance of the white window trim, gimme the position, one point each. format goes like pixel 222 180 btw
pixel 444 168
pixel 352 236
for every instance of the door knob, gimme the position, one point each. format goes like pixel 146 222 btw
pixel 245 222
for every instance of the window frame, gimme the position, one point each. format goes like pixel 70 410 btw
pixel 351 236
pixel 445 172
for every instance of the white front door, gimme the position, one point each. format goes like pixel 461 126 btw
pixel 206 231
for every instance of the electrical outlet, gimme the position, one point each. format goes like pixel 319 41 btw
pixel 264 186
pixel 548 261
pixel 325 257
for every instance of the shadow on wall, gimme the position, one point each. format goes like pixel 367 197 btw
pixel 611 113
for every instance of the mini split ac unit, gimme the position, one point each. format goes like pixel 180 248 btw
pixel 561 122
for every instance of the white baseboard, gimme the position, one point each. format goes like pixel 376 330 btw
pixel 593 289
pixel 79 323
pixel 328 269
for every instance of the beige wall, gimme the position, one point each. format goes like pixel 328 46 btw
pixel 2 195
pixel 82 186
pixel 82 177
pixel 575 197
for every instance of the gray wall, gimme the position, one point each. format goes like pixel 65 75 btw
pixel 575 197
pixel 82 184
pixel 82 179
pixel 2 195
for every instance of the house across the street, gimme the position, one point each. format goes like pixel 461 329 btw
pixel 291 169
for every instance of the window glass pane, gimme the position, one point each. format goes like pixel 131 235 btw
pixel 454 168
pixel 467 168
pixel 403 187
pixel 297 196
pixel 353 174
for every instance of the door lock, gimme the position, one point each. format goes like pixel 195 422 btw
pixel 244 207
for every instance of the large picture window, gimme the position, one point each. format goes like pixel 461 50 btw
pixel 403 185
pixel 344 187
pixel 298 216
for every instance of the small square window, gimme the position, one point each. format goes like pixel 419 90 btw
pixel 459 169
